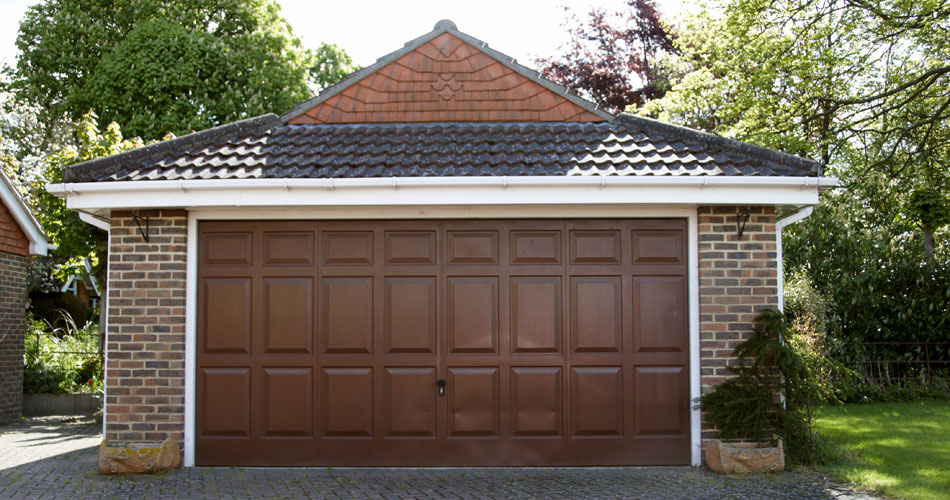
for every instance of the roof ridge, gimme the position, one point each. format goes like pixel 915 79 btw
pixel 99 167
pixel 445 26
pixel 729 145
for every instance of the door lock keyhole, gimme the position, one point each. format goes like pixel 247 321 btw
pixel 441 384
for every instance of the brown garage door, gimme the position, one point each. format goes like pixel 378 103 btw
pixel 442 343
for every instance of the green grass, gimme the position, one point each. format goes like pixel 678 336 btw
pixel 901 450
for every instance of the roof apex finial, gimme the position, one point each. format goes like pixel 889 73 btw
pixel 445 24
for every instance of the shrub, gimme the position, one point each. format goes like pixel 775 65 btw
pixel 775 360
pixel 61 360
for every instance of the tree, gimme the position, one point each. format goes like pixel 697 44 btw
pixel 611 56
pixel 159 67
pixel 75 239
pixel 862 87
pixel 331 64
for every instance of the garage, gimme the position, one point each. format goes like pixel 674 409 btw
pixel 442 343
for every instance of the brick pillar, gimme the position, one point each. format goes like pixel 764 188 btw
pixel 145 373
pixel 737 280
pixel 12 314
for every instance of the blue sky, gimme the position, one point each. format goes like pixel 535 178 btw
pixel 368 29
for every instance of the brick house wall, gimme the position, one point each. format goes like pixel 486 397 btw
pixel 737 280
pixel 12 316
pixel 145 371
pixel 14 248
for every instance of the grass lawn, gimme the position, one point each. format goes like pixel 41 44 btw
pixel 901 450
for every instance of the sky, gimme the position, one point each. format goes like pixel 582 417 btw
pixel 369 29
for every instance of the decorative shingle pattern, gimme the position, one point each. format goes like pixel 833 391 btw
pixel 445 149
pixel 445 79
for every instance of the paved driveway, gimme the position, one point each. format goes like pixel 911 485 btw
pixel 55 458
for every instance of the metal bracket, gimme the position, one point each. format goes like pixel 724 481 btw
pixel 742 220
pixel 135 217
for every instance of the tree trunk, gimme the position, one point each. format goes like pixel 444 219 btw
pixel 928 242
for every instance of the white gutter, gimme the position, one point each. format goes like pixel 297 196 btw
pixel 780 224
pixel 640 190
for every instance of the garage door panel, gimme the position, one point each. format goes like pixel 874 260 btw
pixel 536 402
pixel 347 404
pixel 287 402
pixel 535 314
pixel 347 248
pixel 416 248
pixel 659 311
pixel 225 402
pixel 288 315
pixel 347 312
pixel 535 247
pixel 595 247
pixel 596 320
pixel 226 328
pixel 226 249
pixel 472 316
pixel 661 396
pixel 473 402
pixel 410 315
pixel 658 247
pixel 410 394
pixel 472 247
pixel 288 248
pixel 597 401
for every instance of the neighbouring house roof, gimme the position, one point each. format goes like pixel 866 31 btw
pixel 444 105
pixel 39 243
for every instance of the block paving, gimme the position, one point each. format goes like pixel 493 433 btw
pixel 55 458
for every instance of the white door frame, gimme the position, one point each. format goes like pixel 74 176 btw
pixel 688 212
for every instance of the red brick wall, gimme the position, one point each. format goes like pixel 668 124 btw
pixel 737 280
pixel 145 373
pixel 12 314
pixel 12 239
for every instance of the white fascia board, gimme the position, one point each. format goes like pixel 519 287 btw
pixel 39 243
pixel 443 191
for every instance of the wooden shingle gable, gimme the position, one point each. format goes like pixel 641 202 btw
pixel 445 76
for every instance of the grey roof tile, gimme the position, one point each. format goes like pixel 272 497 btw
pixel 267 148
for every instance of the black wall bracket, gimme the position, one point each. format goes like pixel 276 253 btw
pixel 138 222
pixel 741 220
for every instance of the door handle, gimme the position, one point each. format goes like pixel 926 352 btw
pixel 441 384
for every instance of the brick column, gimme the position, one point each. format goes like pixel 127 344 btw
pixel 737 280
pixel 145 373
pixel 12 314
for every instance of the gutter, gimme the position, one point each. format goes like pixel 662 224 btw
pixel 780 224
pixel 822 183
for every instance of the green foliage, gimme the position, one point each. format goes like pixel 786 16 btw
pixel 61 360
pixel 165 67
pixel 775 360
pixel 331 64
pixel 869 268
pixel 76 239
